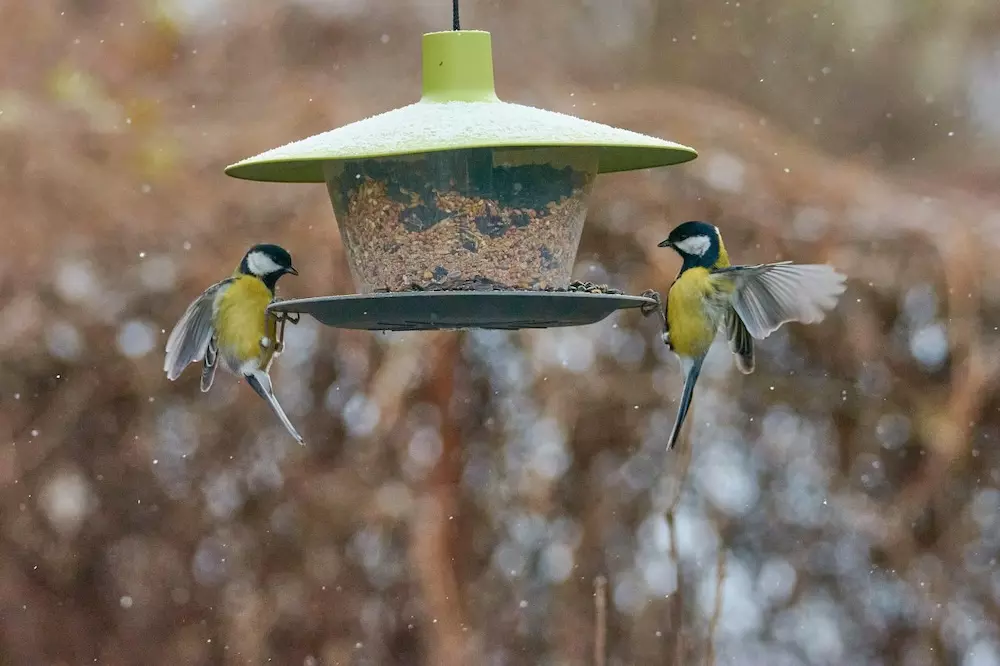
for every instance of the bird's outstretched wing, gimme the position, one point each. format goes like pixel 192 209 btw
pixel 260 382
pixel 769 295
pixel 188 342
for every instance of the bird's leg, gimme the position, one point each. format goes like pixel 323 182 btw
pixel 283 318
pixel 288 316
pixel 280 319
pixel 279 334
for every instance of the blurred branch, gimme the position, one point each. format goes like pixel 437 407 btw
pixel 676 609
pixel 600 621
pixel 713 623
pixel 401 372
pixel 947 432
pixel 947 429
pixel 685 454
pixel 70 401
pixel 432 549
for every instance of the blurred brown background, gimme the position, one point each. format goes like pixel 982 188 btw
pixel 459 493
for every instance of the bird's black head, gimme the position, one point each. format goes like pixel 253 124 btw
pixel 267 262
pixel 698 243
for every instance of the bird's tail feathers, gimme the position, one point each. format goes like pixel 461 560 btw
pixel 692 370
pixel 260 382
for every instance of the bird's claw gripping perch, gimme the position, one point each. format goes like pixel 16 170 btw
pixel 649 308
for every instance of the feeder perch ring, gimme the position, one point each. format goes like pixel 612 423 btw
pixel 437 310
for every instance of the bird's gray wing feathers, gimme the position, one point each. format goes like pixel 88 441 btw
pixel 740 342
pixel 211 363
pixel 769 295
pixel 188 342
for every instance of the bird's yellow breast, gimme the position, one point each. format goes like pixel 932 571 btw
pixel 241 320
pixel 689 318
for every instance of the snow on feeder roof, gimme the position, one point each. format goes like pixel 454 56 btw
pixel 459 109
pixel 460 210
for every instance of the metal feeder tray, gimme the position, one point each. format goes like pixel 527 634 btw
pixel 435 310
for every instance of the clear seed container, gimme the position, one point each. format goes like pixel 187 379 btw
pixel 501 216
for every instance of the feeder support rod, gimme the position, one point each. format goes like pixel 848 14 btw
pixel 458 67
pixel 455 24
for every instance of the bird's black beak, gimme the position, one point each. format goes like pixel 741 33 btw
pixel 291 269
pixel 665 243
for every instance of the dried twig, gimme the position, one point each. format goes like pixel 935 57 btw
pixel 677 611
pixel 600 621
pixel 713 623
pixel 677 602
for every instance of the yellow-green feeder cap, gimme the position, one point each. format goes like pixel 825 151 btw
pixel 459 110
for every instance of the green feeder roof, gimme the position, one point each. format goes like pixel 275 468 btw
pixel 459 110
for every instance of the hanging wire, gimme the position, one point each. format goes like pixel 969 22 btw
pixel 455 25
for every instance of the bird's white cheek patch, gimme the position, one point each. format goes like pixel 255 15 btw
pixel 260 264
pixel 695 245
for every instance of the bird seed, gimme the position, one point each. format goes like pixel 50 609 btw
pixel 456 218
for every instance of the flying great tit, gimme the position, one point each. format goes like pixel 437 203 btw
pixel 748 301
pixel 229 323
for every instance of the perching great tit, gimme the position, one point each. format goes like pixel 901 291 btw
pixel 229 324
pixel 748 301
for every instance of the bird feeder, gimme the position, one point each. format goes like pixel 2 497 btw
pixel 460 210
